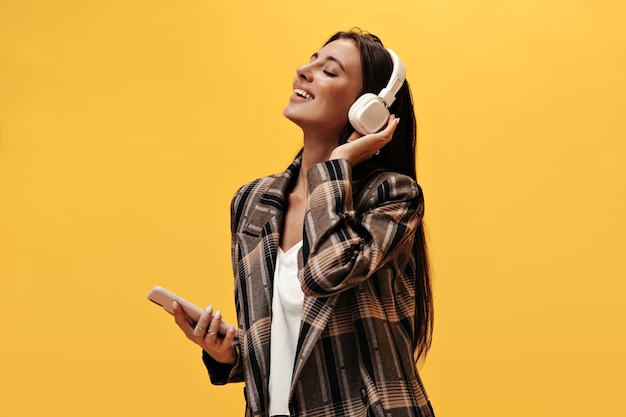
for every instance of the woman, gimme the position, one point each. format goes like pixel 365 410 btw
pixel 331 280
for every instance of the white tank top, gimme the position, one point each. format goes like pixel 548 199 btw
pixel 286 314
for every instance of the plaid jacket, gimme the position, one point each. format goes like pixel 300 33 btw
pixel 354 355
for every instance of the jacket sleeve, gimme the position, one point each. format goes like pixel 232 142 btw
pixel 221 373
pixel 345 241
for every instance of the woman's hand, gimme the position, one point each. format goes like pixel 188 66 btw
pixel 361 148
pixel 211 333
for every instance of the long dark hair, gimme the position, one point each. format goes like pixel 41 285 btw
pixel 397 156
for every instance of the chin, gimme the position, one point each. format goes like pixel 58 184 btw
pixel 293 116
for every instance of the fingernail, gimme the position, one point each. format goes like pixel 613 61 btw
pixel 174 304
pixel 218 315
pixel 397 120
pixel 209 308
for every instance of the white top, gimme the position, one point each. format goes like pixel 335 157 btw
pixel 286 313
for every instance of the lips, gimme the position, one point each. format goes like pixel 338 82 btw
pixel 301 93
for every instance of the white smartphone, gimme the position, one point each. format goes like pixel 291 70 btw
pixel 164 298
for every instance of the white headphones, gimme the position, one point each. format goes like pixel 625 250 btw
pixel 370 112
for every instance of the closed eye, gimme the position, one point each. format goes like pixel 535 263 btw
pixel 330 74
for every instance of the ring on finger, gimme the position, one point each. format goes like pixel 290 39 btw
pixel 211 333
pixel 377 152
pixel 200 328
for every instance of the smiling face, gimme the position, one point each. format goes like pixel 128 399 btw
pixel 325 88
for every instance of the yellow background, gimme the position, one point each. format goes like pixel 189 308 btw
pixel 126 126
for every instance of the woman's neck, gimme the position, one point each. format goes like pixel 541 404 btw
pixel 315 150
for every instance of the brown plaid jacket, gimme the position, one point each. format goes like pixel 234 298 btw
pixel 354 355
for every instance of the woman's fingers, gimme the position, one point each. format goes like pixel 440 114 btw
pixel 211 333
pixel 354 136
pixel 220 346
pixel 386 134
pixel 203 324
pixel 361 148
pixel 213 328
pixel 228 337
pixel 378 140
pixel 181 319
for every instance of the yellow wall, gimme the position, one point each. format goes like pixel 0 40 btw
pixel 126 126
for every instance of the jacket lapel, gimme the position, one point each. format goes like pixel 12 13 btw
pixel 265 223
pixel 260 232
pixel 271 201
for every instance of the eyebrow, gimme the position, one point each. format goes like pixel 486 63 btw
pixel 331 58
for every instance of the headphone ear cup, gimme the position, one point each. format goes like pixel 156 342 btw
pixel 368 114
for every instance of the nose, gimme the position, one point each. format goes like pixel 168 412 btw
pixel 304 72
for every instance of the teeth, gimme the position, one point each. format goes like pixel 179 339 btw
pixel 302 93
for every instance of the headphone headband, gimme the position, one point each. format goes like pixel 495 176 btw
pixel 370 112
pixel 398 75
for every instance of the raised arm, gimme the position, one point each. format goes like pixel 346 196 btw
pixel 346 241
